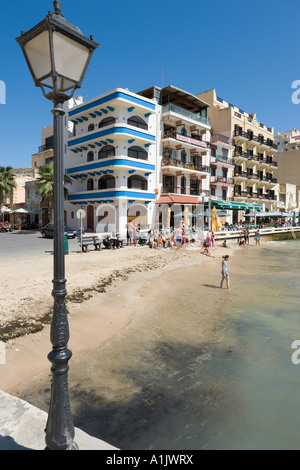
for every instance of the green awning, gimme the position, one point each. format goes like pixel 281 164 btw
pixel 235 205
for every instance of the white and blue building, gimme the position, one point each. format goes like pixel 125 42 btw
pixel 112 156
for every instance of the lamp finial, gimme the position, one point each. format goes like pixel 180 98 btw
pixel 57 6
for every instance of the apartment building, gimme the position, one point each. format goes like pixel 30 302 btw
pixel 253 156
pixel 111 157
pixel 287 141
pixel 183 144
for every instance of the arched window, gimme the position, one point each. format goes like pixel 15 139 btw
pixel 90 184
pixel 90 156
pixel 107 121
pixel 137 121
pixel 137 152
pixel 250 134
pixel 91 127
pixel 183 131
pixel 106 182
pixel 106 151
pixel 137 182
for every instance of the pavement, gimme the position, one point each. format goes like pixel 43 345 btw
pixel 22 427
pixel 27 244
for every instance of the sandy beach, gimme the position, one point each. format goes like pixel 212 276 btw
pixel 105 292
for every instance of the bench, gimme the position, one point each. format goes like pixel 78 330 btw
pixel 86 241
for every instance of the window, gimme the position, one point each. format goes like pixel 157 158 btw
pixel 194 187
pixel 91 127
pixel 107 182
pixel 224 194
pixel 137 122
pixel 183 131
pixel 137 152
pixel 107 121
pixel 168 184
pixel 106 151
pixel 183 156
pixel 137 182
pixel 90 185
pixel 49 142
pixel 90 156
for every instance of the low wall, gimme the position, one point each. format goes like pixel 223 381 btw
pixel 267 234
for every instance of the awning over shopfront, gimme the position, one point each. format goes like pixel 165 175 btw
pixel 235 205
pixel 269 214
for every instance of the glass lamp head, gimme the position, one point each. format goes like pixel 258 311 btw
pixel 57 54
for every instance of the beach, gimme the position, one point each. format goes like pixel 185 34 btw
pixel 106 290
pixel 165 359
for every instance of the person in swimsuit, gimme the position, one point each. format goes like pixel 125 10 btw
pixel 257 238
pixel 224 272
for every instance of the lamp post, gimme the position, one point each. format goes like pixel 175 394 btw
pixel 58 55
pixel 202 199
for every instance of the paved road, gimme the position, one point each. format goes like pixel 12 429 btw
pixel 23 244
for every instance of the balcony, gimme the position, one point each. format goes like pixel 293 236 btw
pixel 221 180
pixel 240 135
pixel 254 140
pixel 222 160
pixel 169 107
pixel 219 138
pixel 271 163
pixel 191 140
pixel 240 156
pixel 240 175
pixel 187 166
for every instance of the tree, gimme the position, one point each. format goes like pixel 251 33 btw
pixel 45 186
pixel 7 181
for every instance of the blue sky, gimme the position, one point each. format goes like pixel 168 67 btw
pixel 247 50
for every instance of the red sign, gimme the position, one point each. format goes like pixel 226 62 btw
pixel 190 140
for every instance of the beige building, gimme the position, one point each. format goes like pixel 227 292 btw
pixel 45 152
pixel 17 198
pixel 287 141
pixel 288 175
pixel 253 155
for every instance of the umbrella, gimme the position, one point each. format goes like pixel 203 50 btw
pixel 186 217
pixel 5 209
pixel 182 214
pixel 20 211
pixel 215 223
pixel 169 217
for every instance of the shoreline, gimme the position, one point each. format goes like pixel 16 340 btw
pixel 27 355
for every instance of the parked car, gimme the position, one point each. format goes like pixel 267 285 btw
pixel 48 231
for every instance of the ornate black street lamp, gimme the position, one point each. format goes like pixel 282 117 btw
pixel 58 55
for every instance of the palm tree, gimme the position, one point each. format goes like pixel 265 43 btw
pixel 7 181
pixel 45 186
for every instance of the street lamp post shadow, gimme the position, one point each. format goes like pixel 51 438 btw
pixel 58 55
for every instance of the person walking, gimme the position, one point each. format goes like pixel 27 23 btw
pixel 224 272
pixel 257 238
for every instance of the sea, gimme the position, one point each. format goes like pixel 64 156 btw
pixel 161 385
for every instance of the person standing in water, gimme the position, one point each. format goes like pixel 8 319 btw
pixel 224 272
